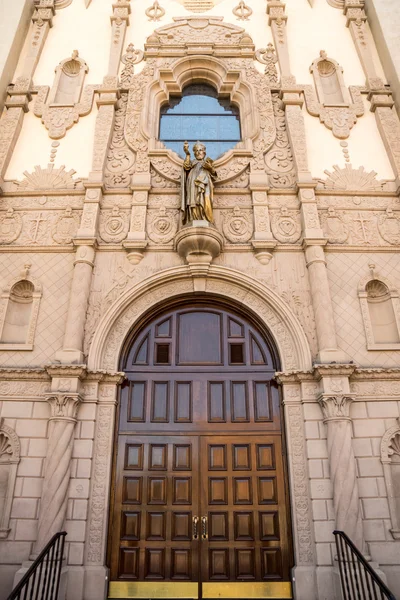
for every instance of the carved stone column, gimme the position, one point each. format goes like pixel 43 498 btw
pixel 53 504
pixel 277 21
pixel 263 240
pixel 19 94
pixel 335 401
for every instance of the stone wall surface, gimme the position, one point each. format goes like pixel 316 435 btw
pixel 306 239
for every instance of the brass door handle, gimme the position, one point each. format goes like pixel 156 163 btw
pixel 204 532
pixel 195 523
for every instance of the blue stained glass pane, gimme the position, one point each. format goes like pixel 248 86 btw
pixel 200 115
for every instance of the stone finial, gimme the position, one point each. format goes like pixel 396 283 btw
pixel 242 11
pixel 155 12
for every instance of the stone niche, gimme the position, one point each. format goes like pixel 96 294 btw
pixel 9 459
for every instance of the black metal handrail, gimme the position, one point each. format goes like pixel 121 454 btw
pixel 42 580
pixel 358 578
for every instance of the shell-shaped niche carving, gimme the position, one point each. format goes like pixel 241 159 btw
pixel 376 289
pixel 23 291
pixel 70 75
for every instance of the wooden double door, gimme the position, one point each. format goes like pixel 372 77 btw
pixel 200 507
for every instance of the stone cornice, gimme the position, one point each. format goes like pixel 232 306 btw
pixel 67 371
pixel 25 374
pixel 294 376
pixel 366 374
pixel 333 370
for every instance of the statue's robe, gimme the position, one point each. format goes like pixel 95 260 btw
pixel 197 191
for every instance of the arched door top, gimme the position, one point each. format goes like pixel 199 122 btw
pixel 242 292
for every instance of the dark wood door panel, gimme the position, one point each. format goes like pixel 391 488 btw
pixel 157 495
pixel 244 499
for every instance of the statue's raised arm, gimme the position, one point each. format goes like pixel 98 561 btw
pixel 197 185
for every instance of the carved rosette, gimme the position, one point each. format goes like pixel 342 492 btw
pixel 286 226
pixel 66 227
pixel 389 226
pixel 10 226
pixel 53 504
pixel 334 227
pixel 162 225
pixel 238 225
pixel 114 226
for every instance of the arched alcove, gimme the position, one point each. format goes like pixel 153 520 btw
pixel 380 310
pixel 19 310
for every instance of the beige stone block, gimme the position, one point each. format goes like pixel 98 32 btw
pixel 24 446
pixel 319 510
pixel 18 486
pixel 87 412
pixel 321 488
pixel 315 469
pixel 369 467
pixel 14 409
pixel 324 531
pixel 385 553
pixel 87 430
pixel 70 508
pixel 358 410
pixel 317 449
pixel 32 487
pixel 31 467
pixel 77 431
pixel 75 554
pixel 376 446
pixel 74 465
pixel 24 508
pixel 312 430
pixel 368 487
pixel 324 556
pixel 82 449
pixel 381 487
pixel 79 512
pixel 76 530
pixel 374 531
pixel 362 447
pixel 12 553
pixel 375 508
pixel 31 428
pixel 41 410
pixel 312 411
pixel 84 467
pixel 10 423
pixel 323 431
pixel 325 466
pixel 330 509
pixel 26 530
pixel 79 488
pixel 37 448
pixel 382 409
pixel 368 428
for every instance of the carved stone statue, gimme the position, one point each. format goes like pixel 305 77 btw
pixel 197 185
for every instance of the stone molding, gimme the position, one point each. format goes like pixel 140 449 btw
pixel 10 456
pixel 135 302
pixel 390 445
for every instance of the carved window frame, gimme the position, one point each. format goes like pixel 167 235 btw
pixel 11 456
pixel 4 301
pixel 386 453
pixel 228 82
pixel 363 298
pixel 318 82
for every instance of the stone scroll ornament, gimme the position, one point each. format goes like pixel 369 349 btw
pixel 155 12
pixel 336 106
pixel 131 58
pixel 242 11
pixel 267 57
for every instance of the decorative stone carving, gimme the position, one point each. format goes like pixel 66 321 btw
pixel 65 227
pixel 267 57
pixel 347 178
pixel 390 458
pixel 10 226
pixel 334 106
pixel 66 102
pixel 130 59
pixel 114 226
pixel 198 6
pixel 374 288
pixel 342 465
pixel 162 225
pixel 242 11
pixel 53 504
pixel 10 451
pixel 238 225
pixel 120 163
pixel 279 160
pixel 286 226
pixel 334 226
pixel 389 226
pixel 155 12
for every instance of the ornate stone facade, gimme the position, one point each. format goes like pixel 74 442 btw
pixel 303 224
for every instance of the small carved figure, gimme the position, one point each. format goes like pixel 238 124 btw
pixel 197 185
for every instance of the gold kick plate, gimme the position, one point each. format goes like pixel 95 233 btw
pixel 247 590
pixel 149 589
pixel 189 590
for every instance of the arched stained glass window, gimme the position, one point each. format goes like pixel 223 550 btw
pixel 200 115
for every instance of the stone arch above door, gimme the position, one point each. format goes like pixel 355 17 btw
pixel 229 284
